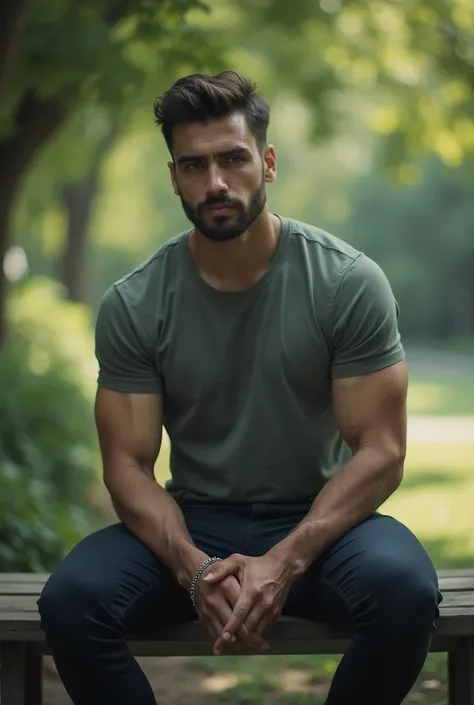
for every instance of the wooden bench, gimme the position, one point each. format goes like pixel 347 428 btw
pixel 22 643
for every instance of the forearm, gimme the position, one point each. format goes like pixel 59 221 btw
pixel 155 518
pixel 349 497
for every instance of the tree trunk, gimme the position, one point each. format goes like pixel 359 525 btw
pixel 36 120
pixel 12 15
pixel 78 199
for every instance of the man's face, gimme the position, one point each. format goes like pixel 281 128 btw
pixel 220 174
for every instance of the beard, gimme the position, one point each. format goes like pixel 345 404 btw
pixel 223 228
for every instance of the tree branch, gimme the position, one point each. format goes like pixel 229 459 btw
pixel 36 120
pixel 12 15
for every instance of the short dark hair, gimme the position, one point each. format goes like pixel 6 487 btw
pixel 201 98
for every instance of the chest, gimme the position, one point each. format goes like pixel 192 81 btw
pixel 221 346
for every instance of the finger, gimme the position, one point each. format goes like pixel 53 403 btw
pixel 254 617
pixel 217 616
pixel 243 640
pixel 212 625
pixel 252 639
pixel 221 570
pixel 242 607
pixel 214 614
pixel 251 625
pixel 265 623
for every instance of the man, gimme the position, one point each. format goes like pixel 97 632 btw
pixel 270 352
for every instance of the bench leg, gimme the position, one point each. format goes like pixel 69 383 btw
pixel 34 675
pixel 461 673
pixel 20 673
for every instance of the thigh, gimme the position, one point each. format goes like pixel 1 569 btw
pixel 379 557
pixel 112 576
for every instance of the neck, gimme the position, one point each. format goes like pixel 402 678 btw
pixel 238 263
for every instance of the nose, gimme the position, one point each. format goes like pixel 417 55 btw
pixel 216 183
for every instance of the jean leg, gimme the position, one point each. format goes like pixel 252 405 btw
pixel 111 585
pixel 379 577
pixel 84 608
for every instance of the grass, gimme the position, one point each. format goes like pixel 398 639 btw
pixel 441 397
pixel 435 501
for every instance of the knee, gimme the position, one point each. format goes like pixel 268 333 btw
pixel 404 594
pixel 417 596
pixel 68 605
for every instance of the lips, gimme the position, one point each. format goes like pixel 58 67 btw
pixel 220 208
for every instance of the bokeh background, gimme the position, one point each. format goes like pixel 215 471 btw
pixel 373 122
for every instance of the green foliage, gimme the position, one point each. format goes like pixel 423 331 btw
pixel 422 237
pixel 94 51
pixel 106 62
pixel 48 451
pixel 412 60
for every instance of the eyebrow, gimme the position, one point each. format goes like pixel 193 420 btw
pixel 235 151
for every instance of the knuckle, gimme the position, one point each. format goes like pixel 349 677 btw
pixel 227 585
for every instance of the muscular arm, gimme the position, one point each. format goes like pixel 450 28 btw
pixel 371 414
pixel 129 428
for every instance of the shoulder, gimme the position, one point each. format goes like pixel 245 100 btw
pixel 133 303
pixel 319 243
pixel 150 275
pixel 340 260
pixel 334 263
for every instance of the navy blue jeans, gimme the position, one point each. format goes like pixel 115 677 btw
pixel 377 577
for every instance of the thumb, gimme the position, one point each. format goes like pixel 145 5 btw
pixel 221 570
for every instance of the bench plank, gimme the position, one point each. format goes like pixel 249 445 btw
pixel 13 584
pixel 31 584
pixel 19 619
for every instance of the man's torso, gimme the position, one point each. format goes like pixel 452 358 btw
pixel 246 376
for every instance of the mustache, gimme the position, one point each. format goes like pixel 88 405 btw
pixel 218 201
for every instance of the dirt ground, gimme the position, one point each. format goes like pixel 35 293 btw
pixel 171 681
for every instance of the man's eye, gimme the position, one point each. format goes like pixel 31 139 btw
pixel 193 166
pixel 233 159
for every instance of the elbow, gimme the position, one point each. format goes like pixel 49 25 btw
pixel 388 460
pixel 395 465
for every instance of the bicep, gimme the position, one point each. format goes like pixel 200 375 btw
pixel 371 409
pixel 129 427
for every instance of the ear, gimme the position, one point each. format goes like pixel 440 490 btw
pixel 172 169
pixel 269 164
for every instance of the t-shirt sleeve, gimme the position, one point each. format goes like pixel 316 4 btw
pixel 365 335
pixel 124 354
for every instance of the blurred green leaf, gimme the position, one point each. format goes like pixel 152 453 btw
pixel 48 449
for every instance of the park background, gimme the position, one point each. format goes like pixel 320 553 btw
pixel 373 122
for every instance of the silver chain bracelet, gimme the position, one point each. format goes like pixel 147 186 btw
pixel 197 575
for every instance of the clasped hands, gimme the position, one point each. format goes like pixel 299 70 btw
pixel 239 598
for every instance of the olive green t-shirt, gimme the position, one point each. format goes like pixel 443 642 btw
pixel 246 376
